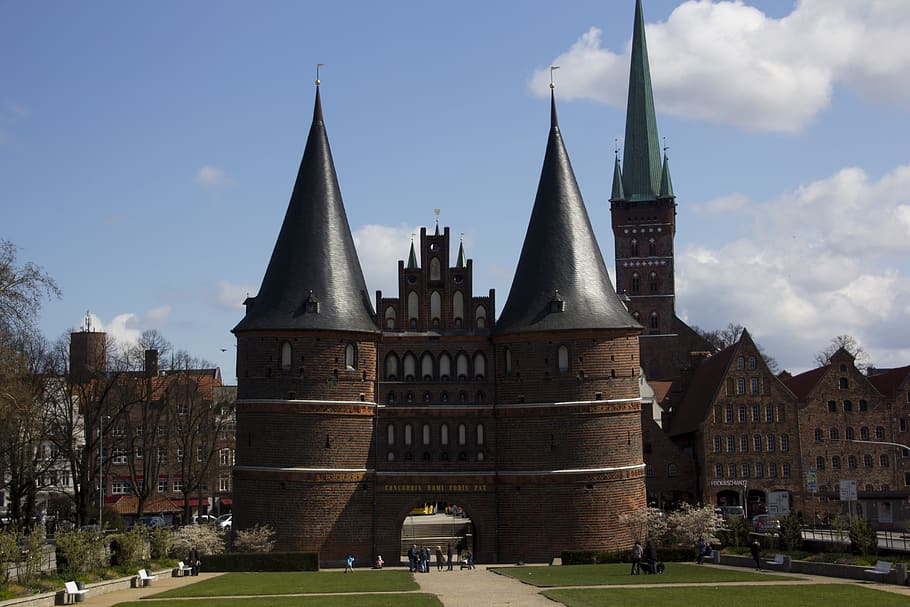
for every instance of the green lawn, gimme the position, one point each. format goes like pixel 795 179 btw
pixel 814 595
pixel 346 600
pixel 618 573
pixel 296 582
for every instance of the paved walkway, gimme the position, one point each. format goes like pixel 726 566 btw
pixel 471 588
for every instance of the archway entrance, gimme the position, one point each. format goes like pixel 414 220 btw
pixel 438 526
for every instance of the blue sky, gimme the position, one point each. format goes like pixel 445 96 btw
pixel 148 150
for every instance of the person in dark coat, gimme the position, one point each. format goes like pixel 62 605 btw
pixel 700 547
pixel 755 549
pixel 449 555
pixel 651 556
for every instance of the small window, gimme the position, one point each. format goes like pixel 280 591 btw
pixel 849 434
pixel 759 470
pixel 718 444
pixel 742 414
pixel 879 433
pixel 426 434
pixel 285 355
pixel 744 443
pixel 462 434
pixel 672 470
pixel 753 385
pixel 480 434
pixel 408 434
pixel 834 434
pixel 772 443
pixel 769 413
pixel 740 363
pixel 752 362
pixel 835 462
pixel 718 471
pixel 740 385
pixel 757 443
pixel 508 360
pixel 731 444
pixel 729 414
pixel 636 283
pixel 848 405
pixel 883 461
pixel 444 435
pixel 731 470
pixel 390 434
pixel 350 356
pixel 867 461
pixel 785 470
pixel 746 472
pixel 863 405
pixel 864 433
pixel 652 248
pixel 844 383
pixel 562 357
pixel 851 462
pixel 785 442
pixel 832 406
pixel 820 463
pixel 633 248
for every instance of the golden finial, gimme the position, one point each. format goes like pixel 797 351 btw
pixel 318 65
pixel 553 68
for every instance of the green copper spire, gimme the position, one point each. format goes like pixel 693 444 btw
pixel 617 182
pixel 641 155
pixel 412 258
pixel 666 184
pixel 462 261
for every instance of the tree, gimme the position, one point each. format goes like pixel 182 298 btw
pixel 692 522
pixel 22 289
pixel 646 523
pixel 723 338
pixel 851 345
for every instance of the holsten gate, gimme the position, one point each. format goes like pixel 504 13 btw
pixel 352 411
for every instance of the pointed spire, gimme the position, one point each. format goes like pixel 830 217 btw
pixel 618 193
pixel 412 257
pixel 666 184
pixel 314 279
pixel 462 260
pixel 561 281
pixel 641 168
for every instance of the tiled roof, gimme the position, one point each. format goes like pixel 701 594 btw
pixel 888 382
pixel 801 385
pixel 705 382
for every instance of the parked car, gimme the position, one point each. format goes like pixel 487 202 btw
pixel 150 521
pixel 765 523
pixel 224 521
pixel 204 519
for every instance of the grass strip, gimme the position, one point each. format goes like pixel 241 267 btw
pixel 295 582
pixel 810 595
pixel 618 573
pixel 338 600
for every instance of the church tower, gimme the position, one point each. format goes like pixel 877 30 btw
pixel 306 374
pixel 643 210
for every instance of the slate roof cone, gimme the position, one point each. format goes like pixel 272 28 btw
pixel 561 281
pixel 314 279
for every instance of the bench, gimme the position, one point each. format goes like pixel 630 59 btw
pixel 881 568
pixel 182 569
pixel 778 560
pixel 145 579
pixel 73 592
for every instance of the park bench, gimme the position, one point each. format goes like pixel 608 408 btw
pixel 778 560
pixel 182 569
pixel 145 579
pixel 73 592
pixel 881 568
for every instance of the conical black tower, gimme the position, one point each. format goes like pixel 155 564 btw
pixel 314 279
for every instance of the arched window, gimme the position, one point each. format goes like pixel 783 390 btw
pixel 390 318
pixel 426 434
pixel 444 434
pixel 390 434
pixel 462 434
pixel 636 283
pixel 458 308
pixel 820 463
pixel 435 272
pixel 391 366
pixel 410 367
pixel 652 282
pixel 350 356
pixel 835 462
pixel 879 433
pixel 508 360
pixel 480 435
pixel 408 434
pixel 562 359
pixel 652 248
pixel 480 317
pixel 718 444
pixel 655 320
pixel 461 366
pixel 834 434
pixel 818 435
pixel 864 433
pixel 435 307
pixel 633 248
pixel 849 434
pixel 285 355
pixel 413 309
pixel 445 366
pixel 480 365
pixel 426 366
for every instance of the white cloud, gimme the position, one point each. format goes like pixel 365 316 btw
pixel 212 177
pixel 824 260
pixel 730 63
pixel 126 328
pixel 379 247
pixel 231 296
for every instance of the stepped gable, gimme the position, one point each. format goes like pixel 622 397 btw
pixel 314 279
pixel 561 281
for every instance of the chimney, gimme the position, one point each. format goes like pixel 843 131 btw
pixel 151 363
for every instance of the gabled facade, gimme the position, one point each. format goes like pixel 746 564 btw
pixel 846 425
pixel 741 425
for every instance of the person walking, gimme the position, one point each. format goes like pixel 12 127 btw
pixel 449 555
pixel 439 559
pixel 412 558
pixel 700 547
pixel 755 549
pixel 350 564
pixel 651 556
pixel 636 559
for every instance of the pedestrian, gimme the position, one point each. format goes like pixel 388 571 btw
pixel 636 559
pixel 412 558
pixel 700 547
pixel 755 549
pixel 439 561
pixel 379 562
pixel 651 556
pixel 449 555
pixel 350 564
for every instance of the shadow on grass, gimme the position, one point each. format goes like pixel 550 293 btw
pixel 618 573
pixel 295 582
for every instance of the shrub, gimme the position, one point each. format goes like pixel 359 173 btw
pixel 692 522
pixel 9 552
pixel 205 539
pixel 863 539
pixel 129 548
pixel 79 552
pixel 255 539
pixel 791 533
pixel 159 542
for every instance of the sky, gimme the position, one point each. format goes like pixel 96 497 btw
pixel 148 150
